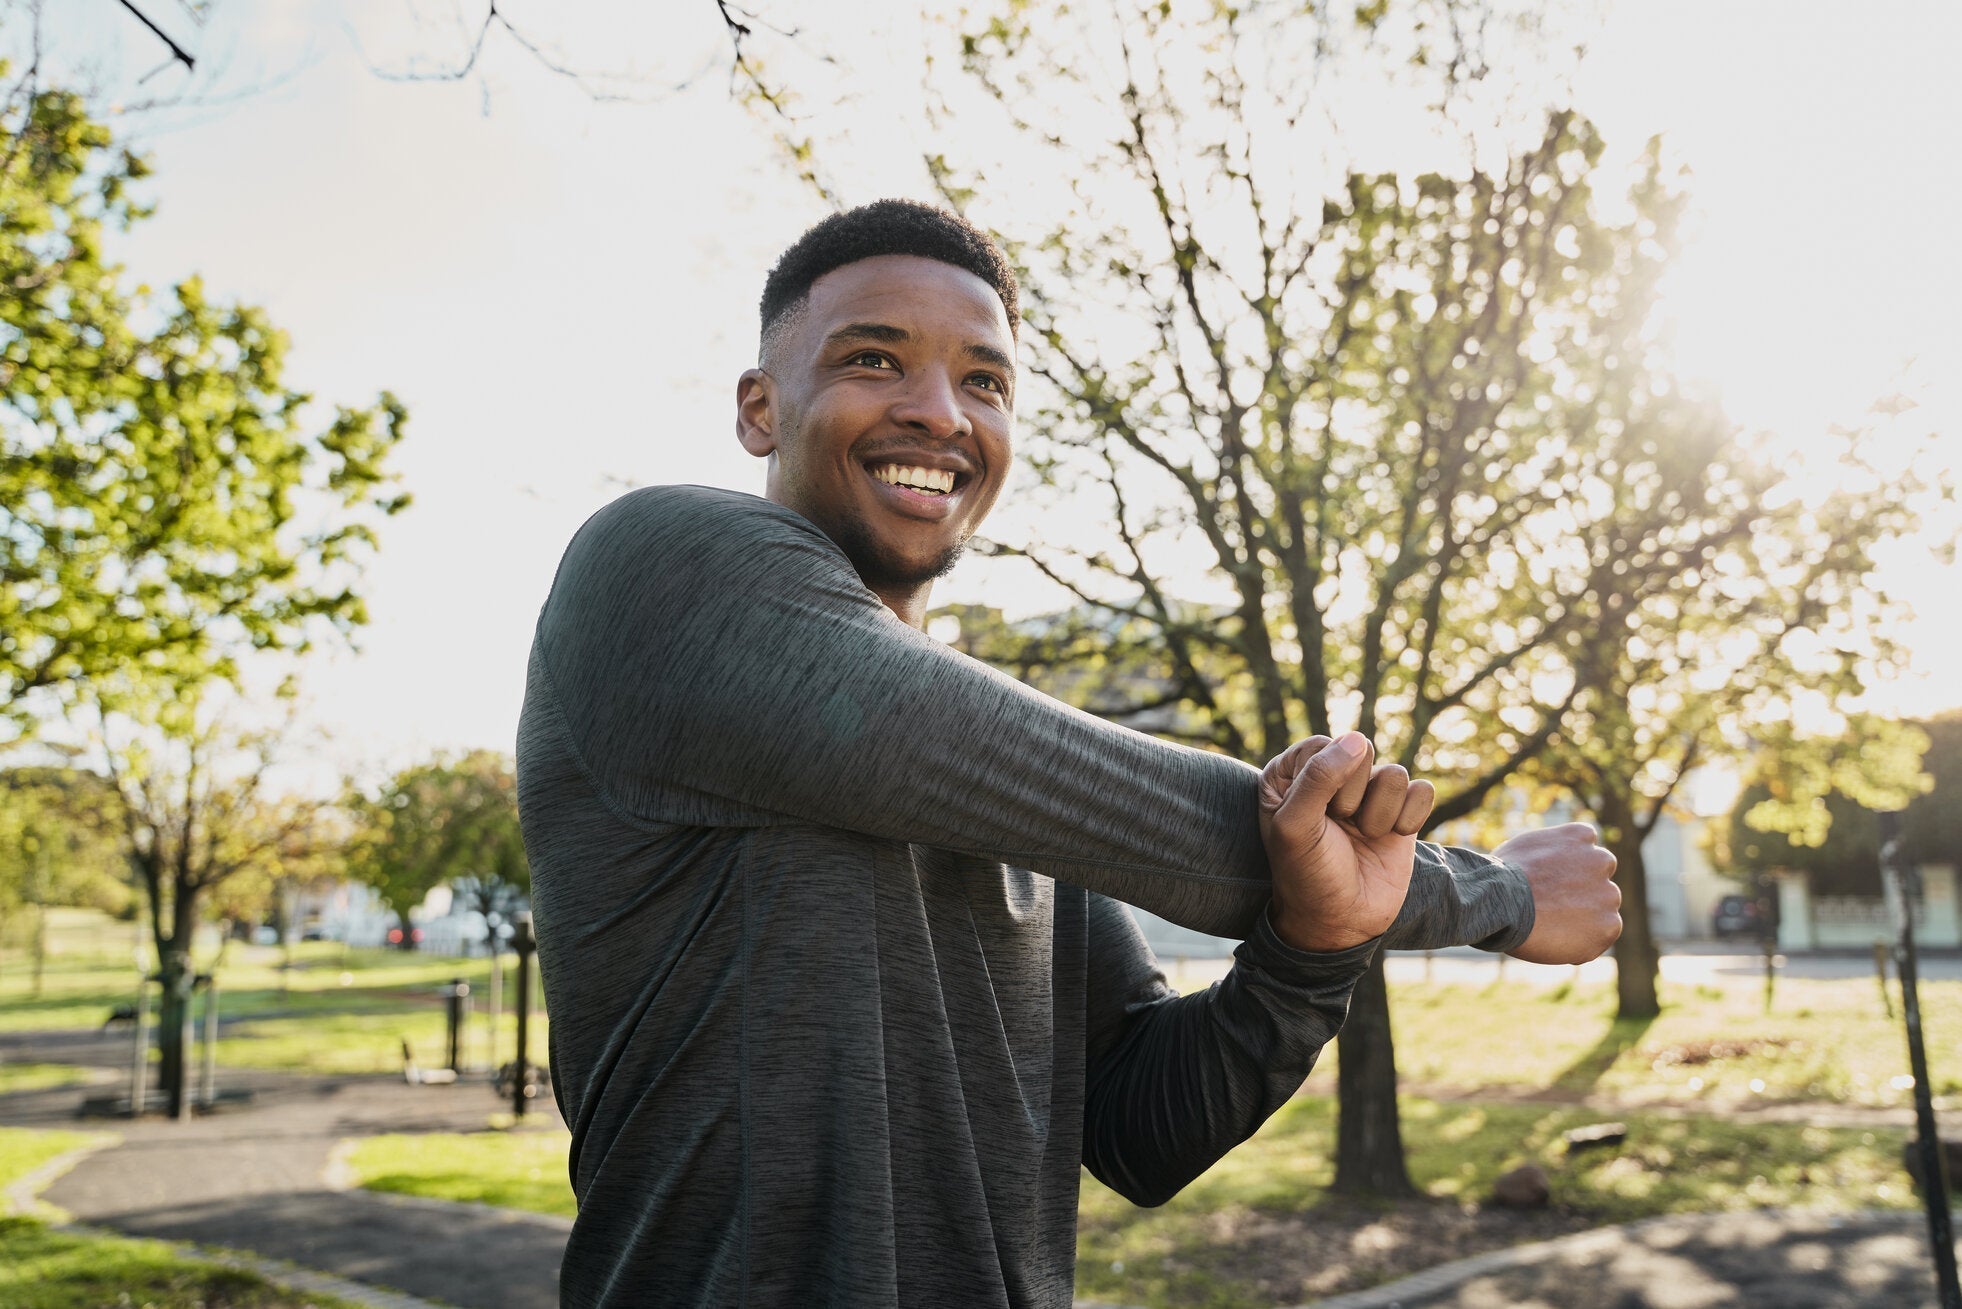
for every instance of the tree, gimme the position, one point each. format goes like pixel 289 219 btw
pixel 198 811
pixel 164 506
pixel 452 820
pixel 164 502
pixel 1719 596
pixel 1809 803
pixel 59 845
pixel 1335 440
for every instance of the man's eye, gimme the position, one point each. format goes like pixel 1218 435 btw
pixel 871 359
pixel 989 381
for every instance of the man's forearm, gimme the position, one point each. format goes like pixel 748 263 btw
pixel 1462 897
pixel 1193 1076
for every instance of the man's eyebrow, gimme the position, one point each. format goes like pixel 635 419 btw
pixel 884 333
pixel 987 354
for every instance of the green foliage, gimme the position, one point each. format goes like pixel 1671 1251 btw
pixel 1810 804
pixel 452 820
pixel 60 840
pixel 165 500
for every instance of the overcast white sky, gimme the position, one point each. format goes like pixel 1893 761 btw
pixel 564 292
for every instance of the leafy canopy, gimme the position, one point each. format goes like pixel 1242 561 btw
pixel 164 499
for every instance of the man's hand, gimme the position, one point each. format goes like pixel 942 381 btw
pixel 1576 905
pixel 1341 839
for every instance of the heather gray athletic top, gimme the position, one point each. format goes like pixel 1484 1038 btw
pixel 840 993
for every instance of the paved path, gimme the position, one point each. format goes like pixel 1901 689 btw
pixel 256 1179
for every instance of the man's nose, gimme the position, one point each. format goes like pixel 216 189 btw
pixel 931 405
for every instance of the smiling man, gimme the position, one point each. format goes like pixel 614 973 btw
pixel 842 992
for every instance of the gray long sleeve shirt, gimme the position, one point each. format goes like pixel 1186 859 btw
pixel 840 994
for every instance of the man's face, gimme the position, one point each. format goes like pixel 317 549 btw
pixel 886 407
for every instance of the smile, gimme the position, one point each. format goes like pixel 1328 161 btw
pixel 930 481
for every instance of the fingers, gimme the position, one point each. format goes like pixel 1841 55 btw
pixel 1418 802
pixel 1325 774
pixel 1382 803
pixel 1374 801
pixel 1349 798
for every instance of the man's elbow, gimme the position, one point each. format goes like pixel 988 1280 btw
pixel 1144 1192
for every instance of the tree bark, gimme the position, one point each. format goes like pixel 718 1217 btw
pixel 1368 1136
pixel 1636 962
pixel 179 977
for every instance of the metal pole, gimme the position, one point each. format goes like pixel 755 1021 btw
pixel 1903 887
pixel 139 1061
pixel 208 1078
pixel 458 995
pixel 521 1084
pixel 496 1002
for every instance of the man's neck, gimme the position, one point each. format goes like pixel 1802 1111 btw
pixel 909 602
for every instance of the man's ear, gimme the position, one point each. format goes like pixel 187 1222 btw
pixel 756 412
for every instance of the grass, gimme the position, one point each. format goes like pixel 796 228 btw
pixel 1196 1249
pixel 23 1150
pixel 39 1077
pixel 1254 1208
pixel 323 1008
pixel 517 1170
pixel 44 1269
pixel 1823 1041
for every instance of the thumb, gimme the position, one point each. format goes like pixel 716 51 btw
pixel 1277 778
pixel 1318 781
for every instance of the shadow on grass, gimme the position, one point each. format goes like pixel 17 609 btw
pixel 1581 1075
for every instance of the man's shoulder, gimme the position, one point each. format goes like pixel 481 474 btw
pixel 692 523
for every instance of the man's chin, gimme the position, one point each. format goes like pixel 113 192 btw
pixel 883 568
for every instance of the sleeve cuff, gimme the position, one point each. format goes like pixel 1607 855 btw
pixel 1267 951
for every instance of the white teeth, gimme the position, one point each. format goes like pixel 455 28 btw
pixel 919 479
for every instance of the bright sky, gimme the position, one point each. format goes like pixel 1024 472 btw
pixel 564 292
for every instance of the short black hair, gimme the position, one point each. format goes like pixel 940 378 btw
pixel 886 227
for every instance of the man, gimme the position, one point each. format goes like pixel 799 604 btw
pixel 841 992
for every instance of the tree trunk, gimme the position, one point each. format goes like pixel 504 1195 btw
pixel 1368 1137
pixel 408 941
pixel 179 976
pixel 1636 964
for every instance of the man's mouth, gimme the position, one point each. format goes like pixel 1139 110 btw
pixel 926 481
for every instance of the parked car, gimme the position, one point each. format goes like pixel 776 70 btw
pixel 1737 915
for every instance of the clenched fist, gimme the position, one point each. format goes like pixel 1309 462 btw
pixel 1341 838
pixel 1576 904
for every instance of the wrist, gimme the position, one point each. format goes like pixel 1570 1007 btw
pixel 1304 932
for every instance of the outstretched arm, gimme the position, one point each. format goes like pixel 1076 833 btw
pixel 716 660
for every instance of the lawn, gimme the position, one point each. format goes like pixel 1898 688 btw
pixel 323 1008
pixel 22 1150
pixel 1712 1048
pixel 519 1170
pixel 1260 1228
pixel 39 1077
pixel 45 1269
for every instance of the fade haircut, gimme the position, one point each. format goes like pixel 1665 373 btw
pixel 884 227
